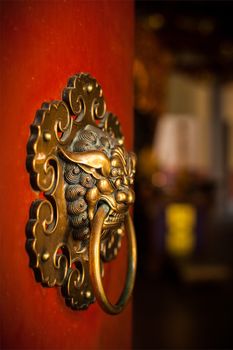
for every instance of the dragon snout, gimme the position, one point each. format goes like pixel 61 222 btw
pixel 125 196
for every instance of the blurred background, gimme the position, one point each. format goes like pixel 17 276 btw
pixel 183 80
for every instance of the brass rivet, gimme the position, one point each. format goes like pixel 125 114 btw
pixel 47 136
pixel 120 231
pixel 45 256
pixel 88 294
pixel 89 88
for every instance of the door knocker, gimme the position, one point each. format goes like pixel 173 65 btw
pixel 77 160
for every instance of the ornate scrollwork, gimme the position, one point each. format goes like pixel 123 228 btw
pixel 77 164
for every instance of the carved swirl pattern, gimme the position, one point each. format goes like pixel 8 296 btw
pixel 76 164
pixel 84 97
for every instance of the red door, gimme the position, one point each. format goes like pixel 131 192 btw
pixel 43 44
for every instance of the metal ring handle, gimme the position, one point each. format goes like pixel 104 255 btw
pixel 94 259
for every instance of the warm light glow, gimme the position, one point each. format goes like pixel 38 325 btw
pixel 180 221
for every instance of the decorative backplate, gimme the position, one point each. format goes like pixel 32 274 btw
pixel 76 159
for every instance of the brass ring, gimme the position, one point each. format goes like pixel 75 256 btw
pixel 94 258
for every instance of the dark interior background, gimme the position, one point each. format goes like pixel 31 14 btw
pixel 183 71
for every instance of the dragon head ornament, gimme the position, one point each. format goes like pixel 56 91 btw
pixel 97 170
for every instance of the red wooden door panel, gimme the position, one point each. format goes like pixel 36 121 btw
pixel 43 44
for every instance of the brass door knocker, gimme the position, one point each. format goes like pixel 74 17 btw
pixel 77 160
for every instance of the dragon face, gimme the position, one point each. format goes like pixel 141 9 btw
pixel 116 189
pixel 98 171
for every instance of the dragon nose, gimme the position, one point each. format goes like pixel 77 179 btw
pixel 121 197
pixel 131 197
pixel 125 197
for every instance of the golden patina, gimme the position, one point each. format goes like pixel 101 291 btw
pixel 85 176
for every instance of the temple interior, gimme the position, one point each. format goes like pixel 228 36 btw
pixel 183 81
